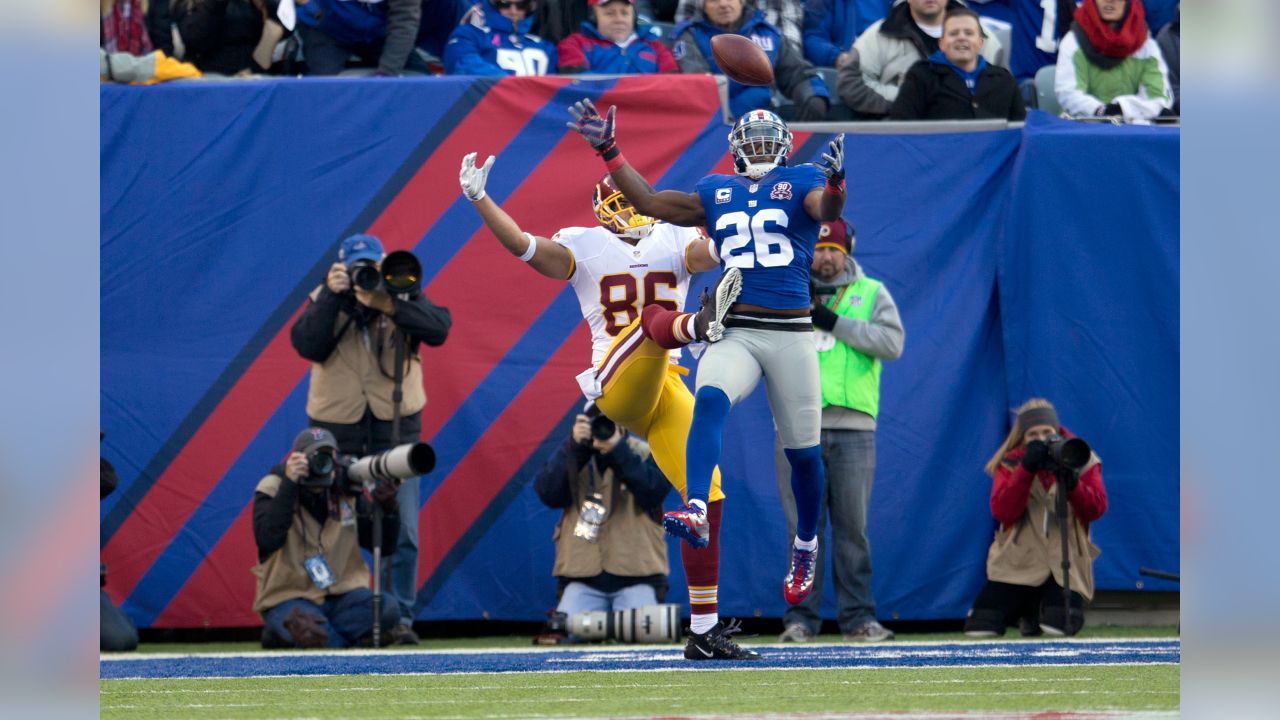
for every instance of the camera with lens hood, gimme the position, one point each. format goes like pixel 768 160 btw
pixel 400 273
pixel 646 624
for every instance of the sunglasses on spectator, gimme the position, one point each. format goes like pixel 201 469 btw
pixel 518 4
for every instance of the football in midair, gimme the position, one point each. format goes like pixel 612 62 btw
pixel 741 59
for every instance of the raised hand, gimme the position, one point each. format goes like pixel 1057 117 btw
pixel 472 177
pixel 832 164
pixel 587 122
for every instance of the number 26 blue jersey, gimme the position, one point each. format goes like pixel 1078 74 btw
pixel 761 227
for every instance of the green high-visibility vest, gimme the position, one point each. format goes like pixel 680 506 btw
pixel 851 378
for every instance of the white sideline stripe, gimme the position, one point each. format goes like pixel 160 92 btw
pixel 682 668
pixel 388 652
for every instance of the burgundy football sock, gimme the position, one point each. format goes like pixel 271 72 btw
pixel 668 328
pixel 702 568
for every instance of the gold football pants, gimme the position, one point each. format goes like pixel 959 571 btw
pixel 643 392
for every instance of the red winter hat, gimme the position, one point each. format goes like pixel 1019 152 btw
pixel 836 234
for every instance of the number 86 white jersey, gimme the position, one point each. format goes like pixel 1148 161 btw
pixel 614 279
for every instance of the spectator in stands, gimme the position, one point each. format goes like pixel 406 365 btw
pixel 611 42
pixel 869 80
pixel 439 19
pixel 117 631
pixel 224 37
pixel 350 335
pixel 494 39
pixel 123 27
pixel 857 327
pixel 1169 40
pixel 611 553
pixel 313 583
pixel 1024 564
pixel 785 15
pixel 793 75
pixel 1109 66
pixel 831 26
pixel 381 33
pixel 556 20
pixel 957 83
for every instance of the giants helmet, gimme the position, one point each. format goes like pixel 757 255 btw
pixel 617 213
pixel 760 141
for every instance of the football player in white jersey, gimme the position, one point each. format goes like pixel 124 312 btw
pixel 622 271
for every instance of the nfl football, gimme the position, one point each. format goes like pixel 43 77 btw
pixel 741 59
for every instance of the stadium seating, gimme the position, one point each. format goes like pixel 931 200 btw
pixel 1046 98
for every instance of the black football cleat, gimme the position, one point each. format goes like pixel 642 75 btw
pixel 716 644
pixel 708 324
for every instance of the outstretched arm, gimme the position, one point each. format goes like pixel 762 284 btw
pixel 542 254
pixel 828 203
pixel 673 206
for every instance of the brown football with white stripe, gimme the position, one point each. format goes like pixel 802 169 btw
pixel 741 59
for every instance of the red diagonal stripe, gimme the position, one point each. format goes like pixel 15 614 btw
pixel 495 458
pixel 202 463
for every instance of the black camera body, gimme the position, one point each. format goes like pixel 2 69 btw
pixel 602 428
pixel 365 274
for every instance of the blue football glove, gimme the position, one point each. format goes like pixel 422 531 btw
pixel 832 164
pixel 587 122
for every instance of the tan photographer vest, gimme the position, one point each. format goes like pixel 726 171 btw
pixel 1030 550
pixel 631 544
pixel 283 577
pixel 350 379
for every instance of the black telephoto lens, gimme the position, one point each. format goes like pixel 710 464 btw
pixel 1073 454
pixel 402 272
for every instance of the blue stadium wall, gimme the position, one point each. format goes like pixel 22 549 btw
pixel 1034 261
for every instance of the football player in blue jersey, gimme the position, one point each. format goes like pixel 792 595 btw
pixel 763 220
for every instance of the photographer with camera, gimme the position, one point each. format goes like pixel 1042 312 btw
pixel 1025 563
pixel 369 311
pixel 611 553
pixel 309 521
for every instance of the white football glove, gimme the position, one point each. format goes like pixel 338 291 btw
pixel 473 177
pixel 832 164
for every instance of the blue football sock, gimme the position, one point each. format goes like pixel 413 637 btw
pixel 706 439
pixel 808 476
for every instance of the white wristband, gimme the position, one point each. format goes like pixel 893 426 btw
pixel 533 248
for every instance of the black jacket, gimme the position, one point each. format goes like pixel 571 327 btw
pixel 933 91
pixel 273 516
pixel 641 476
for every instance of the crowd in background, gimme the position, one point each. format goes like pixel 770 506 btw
pixel 832 59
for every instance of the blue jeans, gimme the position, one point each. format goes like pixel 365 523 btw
pixel 348 618
pixel 849 457
pixel 580 597
pixel 400 571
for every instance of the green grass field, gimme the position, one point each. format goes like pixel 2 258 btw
pixel 1123 689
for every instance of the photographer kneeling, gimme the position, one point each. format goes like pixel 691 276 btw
pixel 1024 564
pixel 611 553
pixel 309 524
